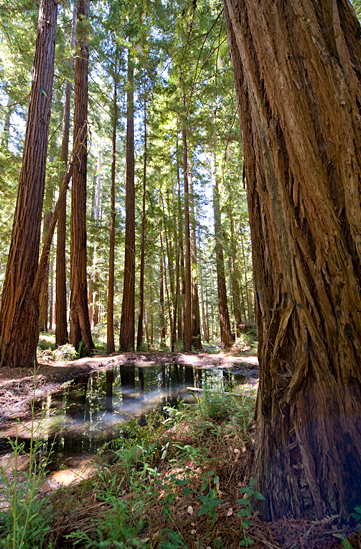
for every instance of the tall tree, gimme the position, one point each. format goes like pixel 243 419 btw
pixel 142 242
pixel 110 299
pixel 61 325
pixel 127 324
pixel 299 90
pixel 19 310
pixel 225 325
pixel 187 328
pixel 79 314
pixel 196 314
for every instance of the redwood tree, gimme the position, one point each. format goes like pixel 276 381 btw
pixel 19 310
pixel 61 325
pixel 127 325
pixel 79 314
pixel 297 77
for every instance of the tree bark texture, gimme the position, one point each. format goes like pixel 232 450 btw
pixel 111 277
pixel 297 76
pixel 225 325
pixel 79 314
pixel 196 313
pixel 127 325
pixel 142 242
pixel 61 324
pixel 19 310
pixel 44 292
pixel 187 327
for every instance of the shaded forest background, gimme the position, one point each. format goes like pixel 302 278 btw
pixel 183 85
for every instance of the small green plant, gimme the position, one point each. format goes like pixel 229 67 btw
pixel 119 527
pixel 246 510
pixel 26 520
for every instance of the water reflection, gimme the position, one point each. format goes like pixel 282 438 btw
pixel 93 409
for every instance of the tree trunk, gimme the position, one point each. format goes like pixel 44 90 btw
pixel 235 274
pixel 61 324
pixel 19 310
pixel 225 325
pixel 187 329
pixel 127 326
pixel 79 314
pixel 142 243
pixel 177 285
pixel 181 257
pixel 110 302
pixel 298 86
pixel 44 292
pixel 196 314
pixel 162 323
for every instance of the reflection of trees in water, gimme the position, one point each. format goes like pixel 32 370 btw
pixel 127 376
pixel 189 376
pixel 198 378
pixel 109 391
pixel 141 379
pixel 87 401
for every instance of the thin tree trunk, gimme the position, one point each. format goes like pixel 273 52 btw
pixel 79 314
pixel 61 325
pixel 299 88
pixel 6 130
pixel 177 287
pixel 187 335
pixel 234 271
pixel 181 255
pixel 196 314
pixel 110 302
pixel 19 311
pixel 163 332
pixel 44 292
pixel 225 325
pixel 245 275
pixel 127 325
pixel 142 243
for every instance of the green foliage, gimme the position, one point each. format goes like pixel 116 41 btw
pixel 119 527
pixel 24 524
pixel 246 509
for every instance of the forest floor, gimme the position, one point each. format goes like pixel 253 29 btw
pixel 17 384
pixel 179 486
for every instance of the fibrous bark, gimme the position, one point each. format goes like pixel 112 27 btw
pixel 297 78
pixel 61 324
pixel 111 278
pixel 187 328
pixel 127 324
pixel 19 310
pixel 225 325
pixel 79 314
pixel 142 243
pixel 196 314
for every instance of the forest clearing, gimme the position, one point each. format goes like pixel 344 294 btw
pixel 180 273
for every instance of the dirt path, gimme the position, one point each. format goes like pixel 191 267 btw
pixel 17 384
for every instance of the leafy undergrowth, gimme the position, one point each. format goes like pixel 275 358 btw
pixel 180 482
pixel 172 483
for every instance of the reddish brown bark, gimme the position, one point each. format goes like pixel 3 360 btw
pixel 127 325
pixel 142 242
pixel 19 310
pixel 299 92
pixel 187 328
pixel 44 292
pixel 196 314
pixel 162 323
pixel 79 314
pixel 61 325
pixel 225 325
pixel 110 299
